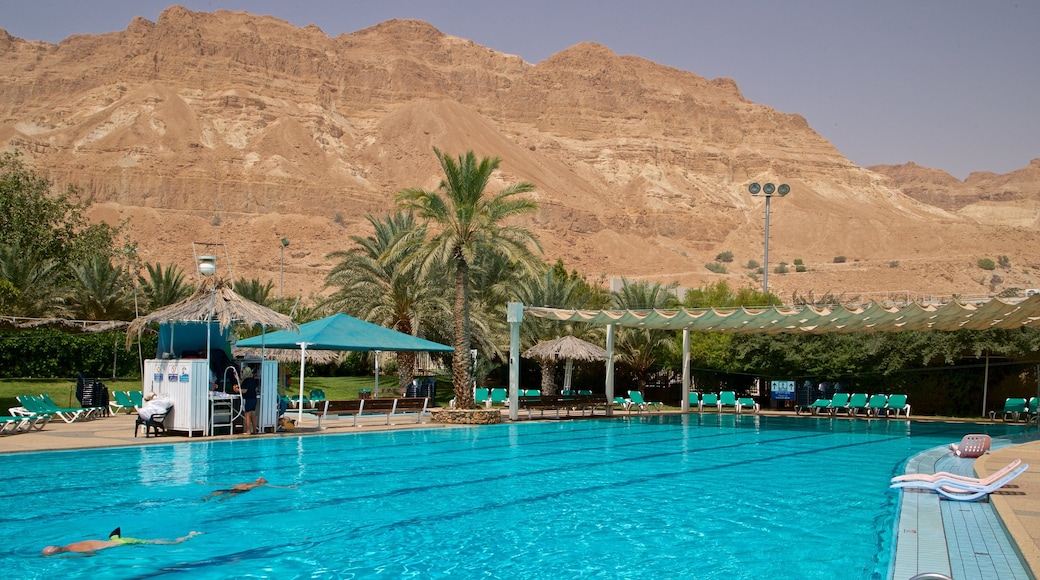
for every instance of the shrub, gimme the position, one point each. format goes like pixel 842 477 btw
pixel 798 262
pixel 839 259
pixel 753 265
pixel 1004 262
pixel 986 264
pixel 716 267
pixel 726 256
pixel 800 268
pixel 216 220
pixel 338 219
pixel 893 264
pixel 781 268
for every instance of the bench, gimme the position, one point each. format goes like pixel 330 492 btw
pixel 359 407
pixel 557 403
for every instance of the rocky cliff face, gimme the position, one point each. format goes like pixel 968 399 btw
pixel 243 129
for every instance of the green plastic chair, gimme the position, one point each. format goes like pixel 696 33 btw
pixel 727 399
pixel 857 403
pixel 482 396
pixel 695 400
pixel 839 402
pixel 499 395
pixel 747 403
pixel 897 403
pixel 709 400
pixel 623 403
pixel 316 395
pixel 876 404
pixel 121 402
pixel 1013 408
pixel 636 398
pixel 137 398
pixel 818 405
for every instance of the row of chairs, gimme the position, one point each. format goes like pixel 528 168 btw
pixel 126 401
pixel 310 400
pixel 1017 409
pixel 43 405
pixel 872 406
pixel 721 401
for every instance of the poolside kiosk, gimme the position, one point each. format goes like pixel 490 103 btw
pixel 195 340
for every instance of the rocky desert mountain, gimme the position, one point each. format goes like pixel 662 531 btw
pixel 234 128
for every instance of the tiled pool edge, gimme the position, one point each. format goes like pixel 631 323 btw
pixel 959 539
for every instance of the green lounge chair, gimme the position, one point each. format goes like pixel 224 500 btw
pixel 636 398
pixel 710 400
pixel 36 405
pixel 876 404
pixel 316 395
pixel 857 403
pixel 747 403
pixel 1032 408
pixel 137 398
pixel 727 399
pixel 694 400
pixel 499 396
pixel 10 425
pixel 815 407
pixel 1013 408
pixel 839 402
pixel 532 393
pixel 897 404
pixel 90 412
pixel 623 403
pixel 482 396
pixel 121 403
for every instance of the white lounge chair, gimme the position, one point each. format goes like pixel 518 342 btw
pixel 958 490
pixel 994 477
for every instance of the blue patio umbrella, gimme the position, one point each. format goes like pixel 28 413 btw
pixel 341 332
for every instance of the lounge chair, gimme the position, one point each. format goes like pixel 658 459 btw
pixel 1013 408
pixel 813 408
pixel 857 403
pixel 121 403
pixel 499 395
pixel 91 412
pixel 747 403
pixel 636 398
pixel 839 402
pixel 1032 408
pixel 316 395
pixel 897 403
pixel 876 404
pixel 482 396
pixel 623 403
pixel 137 398
pixel 958 490
pixel 694 400
pixel 532 393
pixel 947 475
pixel 37 406
pixel 972 445
pixel 14 424
pixel 727 399
pixel 710 400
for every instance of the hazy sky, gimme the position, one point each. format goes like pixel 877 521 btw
pixel 949 84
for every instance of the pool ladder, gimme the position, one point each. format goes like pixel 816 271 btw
pixel 930 576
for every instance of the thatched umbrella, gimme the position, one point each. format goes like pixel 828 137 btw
pixel 218 302
pixel 569 348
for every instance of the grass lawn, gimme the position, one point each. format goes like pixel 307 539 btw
pixel 64 391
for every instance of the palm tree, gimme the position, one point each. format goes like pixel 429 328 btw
pixel 164 286
pixel 379 282
pixel 31 283
pixel 469 222
pixel 254 290
pixel 639 348
pixel 100 291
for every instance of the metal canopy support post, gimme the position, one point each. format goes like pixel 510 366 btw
pixel 303 363
pixel 686 370
pixel 609 387
pixel 514 315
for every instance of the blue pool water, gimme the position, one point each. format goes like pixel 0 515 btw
pixel 713 496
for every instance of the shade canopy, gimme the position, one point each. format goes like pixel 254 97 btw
pixel 566 347
pixel 806 319
pixel 343 332
pixel 217 303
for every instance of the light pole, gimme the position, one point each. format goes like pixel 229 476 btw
pixel 281 263
pixel 767 190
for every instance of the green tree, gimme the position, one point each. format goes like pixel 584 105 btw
pixel 53 225
pixel 100 291
pixel 641 348
pixel 163 286
pixel 255 290
pixel 377 280
pixel 469 221
pixel 32 283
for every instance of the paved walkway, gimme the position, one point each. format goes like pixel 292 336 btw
pixel 1019 508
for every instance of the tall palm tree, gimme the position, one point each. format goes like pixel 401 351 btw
pixel 100 291
pixel 379 282
pixel 470 221
pixel 255 290
pixel 164 286
pixel 639 348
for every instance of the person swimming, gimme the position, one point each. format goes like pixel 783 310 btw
pixel 241 488
pixel 115 538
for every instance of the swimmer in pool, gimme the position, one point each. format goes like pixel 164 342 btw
pixel 114 539
pixel 241 488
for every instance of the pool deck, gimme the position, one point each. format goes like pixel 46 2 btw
pixel 967 540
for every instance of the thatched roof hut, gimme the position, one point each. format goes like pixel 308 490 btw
pixel 215 303
pixel 566 347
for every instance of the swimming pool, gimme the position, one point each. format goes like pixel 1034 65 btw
pixel 664 496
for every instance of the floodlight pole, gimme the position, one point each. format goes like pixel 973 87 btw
pixel 281 264
pixel 767 191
